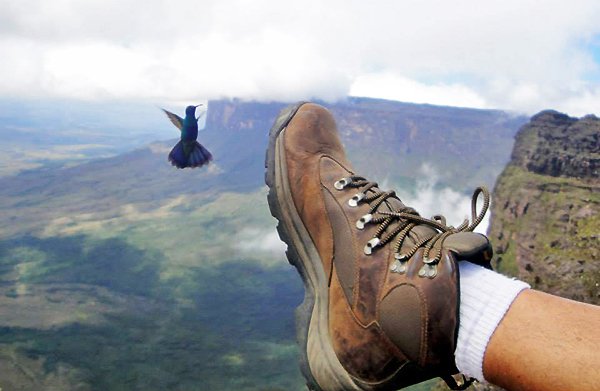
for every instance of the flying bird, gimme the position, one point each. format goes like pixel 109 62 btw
pixel 188 152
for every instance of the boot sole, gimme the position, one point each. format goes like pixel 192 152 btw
pixel 318 362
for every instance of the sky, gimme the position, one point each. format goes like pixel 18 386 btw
pixel 522 56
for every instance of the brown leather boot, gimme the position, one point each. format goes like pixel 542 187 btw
pixel 380 310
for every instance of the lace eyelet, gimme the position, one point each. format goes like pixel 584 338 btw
pixel 371 244
pixel 342 183
pixel 360 224
pixel 428 270
pixel 400 264
pixel 356 199
pixel 398 267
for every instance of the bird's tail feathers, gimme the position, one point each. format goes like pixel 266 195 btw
pixel 198 157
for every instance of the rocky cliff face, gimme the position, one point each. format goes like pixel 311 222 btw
pixel 557 145
pixel 545 221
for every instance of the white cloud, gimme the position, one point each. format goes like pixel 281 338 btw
pixel 586 102
pixel 390 86
pixel 519 55
pixel 260 240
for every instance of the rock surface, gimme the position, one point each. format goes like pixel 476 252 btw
pixel 555 144
pixel 545 222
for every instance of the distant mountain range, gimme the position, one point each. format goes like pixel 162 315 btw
pixel 124 273
pixel 402 136
pixel 386 140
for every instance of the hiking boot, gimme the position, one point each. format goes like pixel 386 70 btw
pixel 381 302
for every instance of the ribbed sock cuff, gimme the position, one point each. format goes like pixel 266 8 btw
pixel 485 296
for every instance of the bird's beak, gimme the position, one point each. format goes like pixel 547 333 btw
pixel 198 105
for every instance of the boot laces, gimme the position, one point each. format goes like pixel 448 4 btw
pixel 397 221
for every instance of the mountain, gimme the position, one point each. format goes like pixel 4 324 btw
pixel 403 136
pixel 124 273
pixel 545 220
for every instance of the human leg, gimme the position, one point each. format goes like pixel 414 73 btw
pixel 545 342
pixel 373 316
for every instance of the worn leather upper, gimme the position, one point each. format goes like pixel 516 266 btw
pixel 386 327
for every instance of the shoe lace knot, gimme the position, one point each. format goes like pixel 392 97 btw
pixel 395 221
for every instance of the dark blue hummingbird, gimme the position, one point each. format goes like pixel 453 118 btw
pixel 188 152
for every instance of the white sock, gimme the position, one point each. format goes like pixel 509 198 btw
pixel 485 296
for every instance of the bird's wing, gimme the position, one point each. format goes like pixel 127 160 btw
pixel 175 119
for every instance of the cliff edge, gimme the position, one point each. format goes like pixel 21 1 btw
pixel 545 222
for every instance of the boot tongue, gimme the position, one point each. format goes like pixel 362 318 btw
pixel 416 234
pixel 391 204
pixel 470 246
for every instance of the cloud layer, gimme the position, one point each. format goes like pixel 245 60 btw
pixel 430 200
pixel 519 55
